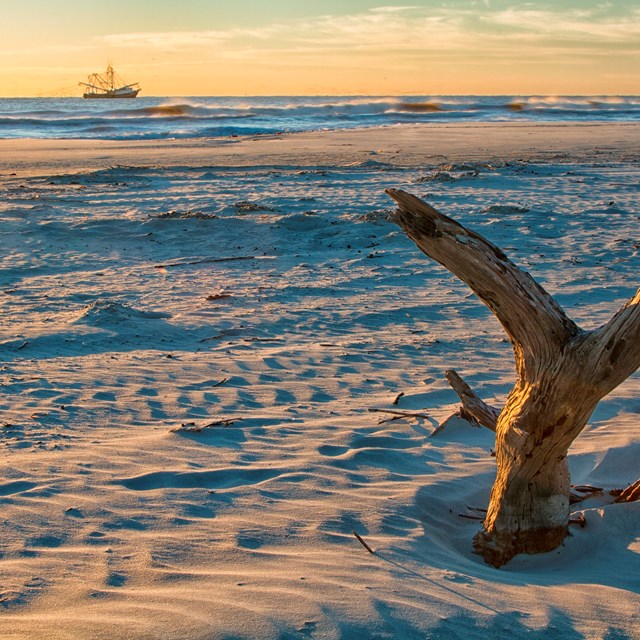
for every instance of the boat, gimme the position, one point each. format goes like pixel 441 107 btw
pixel 109 85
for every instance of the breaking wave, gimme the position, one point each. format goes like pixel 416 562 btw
pixel 156 118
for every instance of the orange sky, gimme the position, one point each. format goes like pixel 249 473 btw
pixel 198 47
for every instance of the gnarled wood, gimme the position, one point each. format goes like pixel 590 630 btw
pixel 472 404
pixel 562 374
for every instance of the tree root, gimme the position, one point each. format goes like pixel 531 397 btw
pixel 498 548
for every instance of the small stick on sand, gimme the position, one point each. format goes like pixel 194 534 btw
pixel 580 521
pixel 216 337
pixel 587 491
pixel 406 414
pixel 218 296
pixel 586 488
pixel 202 261
pixel 398 398
pixel 391 419
pixel 217 384
pixel 191 427
pixel 362 542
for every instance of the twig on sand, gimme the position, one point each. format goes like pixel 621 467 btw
pixel 217 384
pixel 586 488
pixel 391 419
pixel 474 516
pixel 202 261
pixel 405 414
pixel 216 337
pixel 362 542
pixel 218 296
pixel 581 521
pixel 479 509
pixel 192 427
pixel 587 492
pixel 395 402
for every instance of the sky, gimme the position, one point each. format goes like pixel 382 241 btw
pixel 323 47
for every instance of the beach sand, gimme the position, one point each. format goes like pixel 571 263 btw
pixel 194 334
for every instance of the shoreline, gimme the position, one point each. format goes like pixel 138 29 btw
pixel 400 145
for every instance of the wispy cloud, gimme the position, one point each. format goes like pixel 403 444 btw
pixel 183 39
pixel 411 27
pixel 396 27
pixel 579 24
pixel 403 35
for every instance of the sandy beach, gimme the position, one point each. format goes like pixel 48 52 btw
pixel 201 344
pixel 403 145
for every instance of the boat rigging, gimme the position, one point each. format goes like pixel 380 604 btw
pixel 109 85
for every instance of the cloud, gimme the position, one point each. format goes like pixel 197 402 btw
pixel 183 39
pixel 411 26
pixel 581 24
pixel 401 36
pixel 392 27
pixel 393 9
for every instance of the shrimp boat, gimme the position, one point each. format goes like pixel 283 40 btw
pixel 109 85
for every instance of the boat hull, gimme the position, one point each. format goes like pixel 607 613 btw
pixel 111 95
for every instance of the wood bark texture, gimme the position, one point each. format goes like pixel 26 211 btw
pixel 562 373
pixel 473 406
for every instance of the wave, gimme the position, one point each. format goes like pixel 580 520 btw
pixel 419 107
pixel 150 118
pixel 166 110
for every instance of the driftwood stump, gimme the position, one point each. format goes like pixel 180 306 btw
pixel 562 373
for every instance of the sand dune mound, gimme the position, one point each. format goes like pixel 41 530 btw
pixel 105 313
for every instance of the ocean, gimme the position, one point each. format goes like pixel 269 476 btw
pixel 203 117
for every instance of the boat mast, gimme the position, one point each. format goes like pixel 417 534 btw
pixel 110 78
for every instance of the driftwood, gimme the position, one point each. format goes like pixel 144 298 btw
pixel 472 406
pixel 562 373
pixel 631 493
pixel 582 492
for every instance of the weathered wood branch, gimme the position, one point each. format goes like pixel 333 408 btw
pixel 472 404
pixel 562 374
pixel 533 320
pixel 631 493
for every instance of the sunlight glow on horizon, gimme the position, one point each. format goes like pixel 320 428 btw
pixel 356 47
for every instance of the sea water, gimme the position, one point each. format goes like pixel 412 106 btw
pixel 202 117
